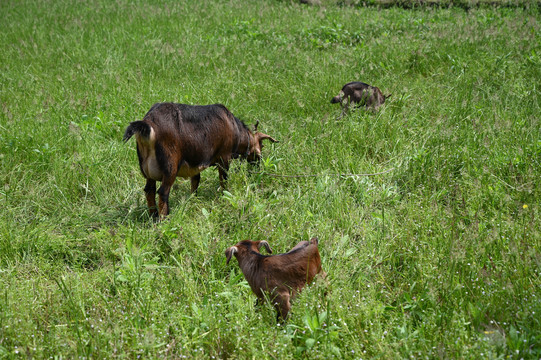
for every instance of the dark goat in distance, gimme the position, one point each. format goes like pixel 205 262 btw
pixel 183 140
pixel 361 94
pixel 280 277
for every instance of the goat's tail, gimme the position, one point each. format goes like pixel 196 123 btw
pixel 135 127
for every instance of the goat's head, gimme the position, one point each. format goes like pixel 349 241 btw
pixel 256 144
pixel 245 247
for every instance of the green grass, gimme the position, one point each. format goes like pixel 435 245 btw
pixel 438 258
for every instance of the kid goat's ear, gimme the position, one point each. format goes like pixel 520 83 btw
pixel 229 253
pixel 266 245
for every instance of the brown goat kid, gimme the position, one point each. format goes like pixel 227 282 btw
pixel 183 140
pixel 361 94
pixel 280 277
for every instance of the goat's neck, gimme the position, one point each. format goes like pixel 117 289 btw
pixel 244 142
pixel 249 266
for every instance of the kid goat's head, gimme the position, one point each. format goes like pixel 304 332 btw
pixel 245 247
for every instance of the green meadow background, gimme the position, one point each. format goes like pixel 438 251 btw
pixel 437 258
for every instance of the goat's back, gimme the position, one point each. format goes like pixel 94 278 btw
pixel 200 132
pixel 354 85
pixel 196 121
pixel 295 268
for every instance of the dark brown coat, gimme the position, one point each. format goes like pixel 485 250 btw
pixel 360 94
pixel 280 277
pixel 183 140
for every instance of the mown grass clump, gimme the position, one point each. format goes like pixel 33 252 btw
pixel 437 257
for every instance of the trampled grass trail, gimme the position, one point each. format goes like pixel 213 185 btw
pixel 437 258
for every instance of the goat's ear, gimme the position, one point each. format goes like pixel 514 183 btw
pixel 266 245
pixel 229 253
pixel 260 137
pixel 255 126
pixel 314 240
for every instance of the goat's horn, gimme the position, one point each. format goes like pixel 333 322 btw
pixel 229 253
pixel 266 245
pixel 261 136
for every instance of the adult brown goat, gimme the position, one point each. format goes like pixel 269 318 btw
pixel 280 277
pixel 183 140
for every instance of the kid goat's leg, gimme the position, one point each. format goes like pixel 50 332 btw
pixel 345 107
pixel 282 305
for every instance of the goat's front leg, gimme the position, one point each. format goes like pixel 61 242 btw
pixel 150 193
pixel 223 168
pixel 163 193
pixel 345 107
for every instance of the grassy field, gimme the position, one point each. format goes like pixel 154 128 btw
pixel 437 258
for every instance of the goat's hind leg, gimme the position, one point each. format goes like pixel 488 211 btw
pixel 163 193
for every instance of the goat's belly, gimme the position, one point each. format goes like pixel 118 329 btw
pixel 187 171
pixel 151 169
